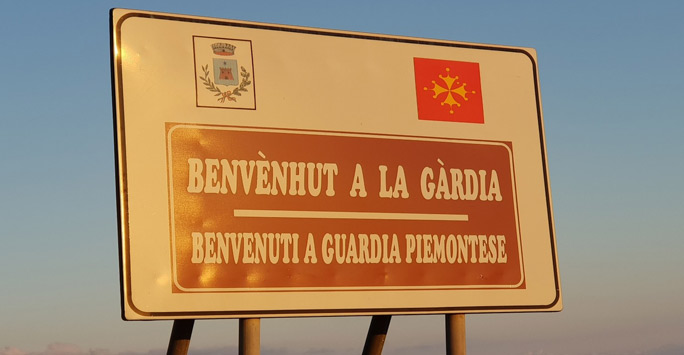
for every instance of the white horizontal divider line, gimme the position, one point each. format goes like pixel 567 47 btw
pixel 350 215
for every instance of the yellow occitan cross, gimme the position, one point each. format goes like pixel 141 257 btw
pixel 450 90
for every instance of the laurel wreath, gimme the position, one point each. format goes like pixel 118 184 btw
pixel 228 94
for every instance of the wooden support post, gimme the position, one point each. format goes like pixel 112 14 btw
pixel 180 337
pixel 250 336
pixel 455 334
pixel 377 332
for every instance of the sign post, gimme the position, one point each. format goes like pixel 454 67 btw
pixel 377 332
pixel 250 336
pixel 280 171
pixel 180 337
pixel 455 334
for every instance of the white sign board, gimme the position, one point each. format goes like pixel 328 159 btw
pixel 268 170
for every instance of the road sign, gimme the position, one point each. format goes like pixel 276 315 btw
pixel 268 170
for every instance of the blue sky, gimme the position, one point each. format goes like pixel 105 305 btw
pixel 612 86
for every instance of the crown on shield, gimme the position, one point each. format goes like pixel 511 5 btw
pixel 223 48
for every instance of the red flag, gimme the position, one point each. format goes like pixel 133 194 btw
pixel 448 90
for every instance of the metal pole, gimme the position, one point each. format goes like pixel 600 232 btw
pixel 250 337
pixel 377 332
pixel 180 337
pixel 455 334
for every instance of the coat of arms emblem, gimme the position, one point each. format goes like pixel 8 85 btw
pixel 224 73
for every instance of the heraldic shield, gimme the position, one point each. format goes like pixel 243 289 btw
pixel 224 73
